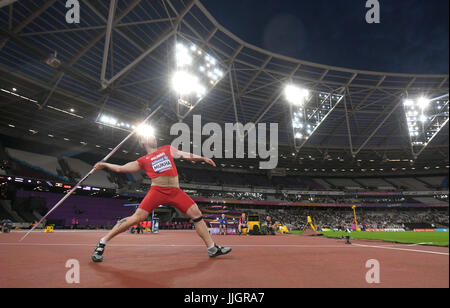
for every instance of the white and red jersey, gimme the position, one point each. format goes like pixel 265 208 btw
pixel 159 163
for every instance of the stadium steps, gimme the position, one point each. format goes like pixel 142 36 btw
pixel 391 182
pixel 81 168
pixel 20 168
pixel 332 186
pixel 445 182
pixel 67 171
pixel 428 185
pixel 6 205
pixel 37 215
pixel 5 163
pixel 3 154
pixel 27 216
pixel 118 179
pixel 360 184
pixel 4 214
pixel 41 163
pixel 438 182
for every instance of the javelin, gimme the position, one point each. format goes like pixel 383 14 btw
pixel 89 174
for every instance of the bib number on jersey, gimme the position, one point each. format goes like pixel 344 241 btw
pixel 162 164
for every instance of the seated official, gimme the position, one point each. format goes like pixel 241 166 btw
pixel 270 225
pixel 243 223
pixel 223 227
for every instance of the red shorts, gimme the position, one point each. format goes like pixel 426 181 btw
pixel 166 196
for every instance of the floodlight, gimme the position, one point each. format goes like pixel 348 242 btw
pixel 296 95
pixel 425 119
pixel 306 117
pixel 182 56
pixel 184 83
pixel 196 73
pixel 145 131
pixel 218 72
pixel 408 103
pixel 423 103
pixel 210 59
pixel 108 120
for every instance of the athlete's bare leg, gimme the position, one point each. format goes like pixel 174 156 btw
pixel 213 250
pixel 126 224
pixel 121 227
pixel 201 228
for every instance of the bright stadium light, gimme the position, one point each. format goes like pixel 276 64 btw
pixel 423 103
pixel 197 73
pixel 425 119
pixel 408 103
pixel 296 95
pixel 146 131
pixel 183 56
pixel 108 120
pixel 308 110
pixel 112 122
pixel 185 84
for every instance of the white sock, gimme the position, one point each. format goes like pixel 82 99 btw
pixel 213 246
pixel 102 241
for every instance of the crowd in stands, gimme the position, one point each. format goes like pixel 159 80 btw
pixel 441 197
pixel 294 218
pixel 343 219
pixel 311 198
pixel 37 166
pixel 176 225
pixel 231 195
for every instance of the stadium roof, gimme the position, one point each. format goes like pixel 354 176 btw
pixel 369 122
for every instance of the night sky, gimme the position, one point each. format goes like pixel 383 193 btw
pixel 413 36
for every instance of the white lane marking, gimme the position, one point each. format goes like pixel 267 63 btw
pixel 426 244
pixel 390 247
pixel 173 245
pixel 403 249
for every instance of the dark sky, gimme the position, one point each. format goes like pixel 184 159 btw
pixel 413 36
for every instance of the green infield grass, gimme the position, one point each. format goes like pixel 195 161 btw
pixel 422 238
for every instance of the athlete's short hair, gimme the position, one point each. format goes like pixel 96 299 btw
pixel 148 141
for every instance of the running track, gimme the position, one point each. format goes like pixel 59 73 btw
pixel 179 260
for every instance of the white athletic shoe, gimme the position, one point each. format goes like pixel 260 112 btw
pixel 219 251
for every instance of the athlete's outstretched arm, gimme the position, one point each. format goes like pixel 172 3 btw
pixel 128 168
pixel 192 157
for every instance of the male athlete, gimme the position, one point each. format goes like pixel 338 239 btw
pixel 160 167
